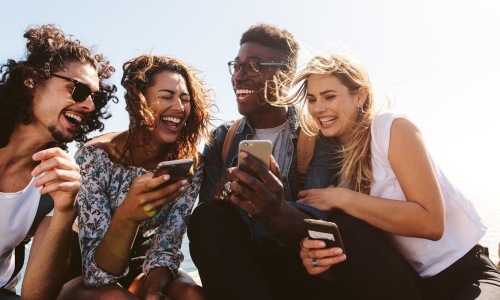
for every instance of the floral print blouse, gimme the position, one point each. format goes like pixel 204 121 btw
pixel 104 186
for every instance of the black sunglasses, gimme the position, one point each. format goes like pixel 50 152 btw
pixel 81 91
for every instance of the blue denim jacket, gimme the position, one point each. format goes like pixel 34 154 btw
pixel 321 171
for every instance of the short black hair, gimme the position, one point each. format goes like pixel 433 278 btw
pixel 272 36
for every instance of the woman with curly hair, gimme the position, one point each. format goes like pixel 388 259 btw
pixel 131 222
pixel 56 95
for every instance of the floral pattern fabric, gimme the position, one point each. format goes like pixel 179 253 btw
pixel 104 186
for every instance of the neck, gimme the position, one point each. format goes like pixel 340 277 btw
pixel 146 155
pixel 274 116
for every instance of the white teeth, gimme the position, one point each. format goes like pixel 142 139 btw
pixel 244 91
pixel 171 119
pixel 327 120
pixel 73 116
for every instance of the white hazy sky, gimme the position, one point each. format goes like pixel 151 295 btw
pixel 437 60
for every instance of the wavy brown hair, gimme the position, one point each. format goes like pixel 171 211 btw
pixel 138 75
pixel 49 50
pixel 356 171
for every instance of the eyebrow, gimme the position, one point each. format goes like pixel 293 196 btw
pixel 323 92
pixel 249 57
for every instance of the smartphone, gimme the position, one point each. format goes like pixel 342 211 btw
pixel 325 231
pixel 177 169
pixel 261 149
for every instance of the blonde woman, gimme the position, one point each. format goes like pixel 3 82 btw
pixel 389 180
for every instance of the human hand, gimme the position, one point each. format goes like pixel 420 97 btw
pixel 326 199
pixel 221 191
pixel 61 177
pixel 262 198
pixel 145 196
pixel 316 258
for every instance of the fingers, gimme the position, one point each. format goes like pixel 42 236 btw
pixel 274 167
pixel 53 158
pixel 317 259
pixel 58 179
pixel 222 192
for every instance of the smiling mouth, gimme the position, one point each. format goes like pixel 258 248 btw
pixel 73 118
pixel 327 120
pixel 243 93
pixel 172 122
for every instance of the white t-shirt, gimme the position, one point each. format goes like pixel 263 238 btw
pixel 463 228
pixel 17 212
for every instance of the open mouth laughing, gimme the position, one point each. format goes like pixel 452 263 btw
pixel 243 93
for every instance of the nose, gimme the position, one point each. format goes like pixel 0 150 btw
pixel 178 105
pixel 239 75
pixel 87 104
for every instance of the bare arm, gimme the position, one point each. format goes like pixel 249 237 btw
pixel 50 249
pixel 113 252
pixel 421 215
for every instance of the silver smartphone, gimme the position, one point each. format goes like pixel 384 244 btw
pixel 260 149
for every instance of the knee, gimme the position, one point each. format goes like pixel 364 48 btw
pixel 210 217
pixel 192 292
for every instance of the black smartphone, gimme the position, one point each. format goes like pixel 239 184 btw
pixel 261 149
pixel 325 231
pixel 177 169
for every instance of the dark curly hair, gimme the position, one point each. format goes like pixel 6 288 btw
pixel 138 75
pixel 49 50
pixel 271 36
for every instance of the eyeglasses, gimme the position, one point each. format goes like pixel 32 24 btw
pixel 81 91
pixel 251 68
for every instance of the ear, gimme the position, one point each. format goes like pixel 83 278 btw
pixel 29 83
pixel 362 95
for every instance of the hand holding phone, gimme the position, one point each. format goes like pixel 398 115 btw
pixel 177 169
pixel 325 231
pixel 260 149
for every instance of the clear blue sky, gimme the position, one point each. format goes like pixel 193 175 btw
pixel 437 60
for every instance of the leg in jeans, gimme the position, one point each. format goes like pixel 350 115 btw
pixel 233 266
pixel 474 276
pixel 374 269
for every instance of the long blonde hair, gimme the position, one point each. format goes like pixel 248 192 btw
pixel 356 171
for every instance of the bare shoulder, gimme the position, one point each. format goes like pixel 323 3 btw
pixel 112 143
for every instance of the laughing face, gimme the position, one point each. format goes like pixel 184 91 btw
pixel 250 91
pixel 333 107
pixel 169 98
pixel 55 111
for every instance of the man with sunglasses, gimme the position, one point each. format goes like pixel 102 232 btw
pixel 54 96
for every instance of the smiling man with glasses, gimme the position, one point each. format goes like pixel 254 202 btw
pixel 54 96
pixel 238 256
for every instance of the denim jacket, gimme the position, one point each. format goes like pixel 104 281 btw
pixel 321 171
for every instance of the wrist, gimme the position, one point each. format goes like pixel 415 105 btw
pixel 120 217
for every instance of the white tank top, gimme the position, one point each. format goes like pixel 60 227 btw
pixel 463 228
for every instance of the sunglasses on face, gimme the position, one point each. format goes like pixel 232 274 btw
pixel 81 91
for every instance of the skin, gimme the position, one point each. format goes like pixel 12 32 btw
pixel 264 201
pixel 421 215
pixel 27 155
pixel 253 104
pixel 168 97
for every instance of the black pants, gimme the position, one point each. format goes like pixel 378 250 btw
pixel 474 276
pixel 233 266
